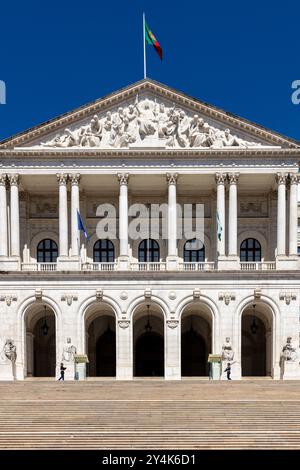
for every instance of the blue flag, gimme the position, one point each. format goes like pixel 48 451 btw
pixel 80 225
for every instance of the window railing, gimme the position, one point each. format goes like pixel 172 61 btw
pixel 99 266
pixel 39 266
pixel 151 266
pixel 201 266
pixel 258 266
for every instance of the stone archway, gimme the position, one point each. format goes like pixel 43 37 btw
pixel 196 340
pixel 256 340
pixel 100 328
pixel 40 327
pixel 148 341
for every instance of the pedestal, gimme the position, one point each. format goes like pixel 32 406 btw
pixel 123 263
pixel 287 263
pixel 172 263
pixel 80 373
pixel 68 264
pixel 7 371
pixel 70 370
pixel 290 370
pixel 10 264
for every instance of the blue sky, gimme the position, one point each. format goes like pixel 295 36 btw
pixel 240 56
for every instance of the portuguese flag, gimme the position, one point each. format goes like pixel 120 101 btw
pixel 151 39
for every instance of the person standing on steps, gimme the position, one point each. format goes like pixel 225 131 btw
pixel 228 370
pixel 62 371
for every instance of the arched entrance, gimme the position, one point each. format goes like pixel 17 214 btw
pixel 100 330
pixel 256 347
pixel 196 340
pixel 148 342
pixel 40 341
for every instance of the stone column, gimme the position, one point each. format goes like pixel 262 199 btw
pixel 63 215
pixel 293 222
pixel 281 214
pixel 14 215
pixel 232 218
pixel 3 216
pixel 172 221
pixel 172 348
pixel 123 220
pixel 29 354
pixel 124 365
pixel 221 180
pixel 75 237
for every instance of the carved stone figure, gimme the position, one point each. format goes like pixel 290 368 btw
pixel 289 353
pixel 69 352
pixel 227 352
pixel 9 350
pixel 170 126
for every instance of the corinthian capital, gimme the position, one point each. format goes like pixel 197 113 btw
pixel 221 178
pixel 172 178
pixel 123 178
pixel 62 178
pixel 294 178
pixel 3 179
pixel 281 178
pixel 233 178
pixel 14 179
pixel 74 178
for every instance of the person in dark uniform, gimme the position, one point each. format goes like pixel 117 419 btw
pixel 62 372
pixel 228 370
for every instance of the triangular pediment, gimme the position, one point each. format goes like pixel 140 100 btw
pixel 148 115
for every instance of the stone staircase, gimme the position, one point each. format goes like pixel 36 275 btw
pixel 150 414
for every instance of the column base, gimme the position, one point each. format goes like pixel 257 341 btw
pixel 124 373
pixel 172 373
pixel 172 263
pixel 10 263
pixel 287 263
pixel 290 370
pixel 123 263
pixel 228 263
pixel 68 263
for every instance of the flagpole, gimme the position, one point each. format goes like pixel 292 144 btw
pixel 145 63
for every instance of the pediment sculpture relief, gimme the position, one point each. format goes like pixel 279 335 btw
pixel 147 122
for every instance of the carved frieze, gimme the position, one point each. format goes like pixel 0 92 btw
pixel 148 122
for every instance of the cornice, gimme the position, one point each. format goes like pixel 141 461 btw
pixel 151 153
pixel 103 104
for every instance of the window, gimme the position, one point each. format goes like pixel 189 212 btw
pixel 298 250
pixel 149 251
pixel 104 252
pixel 250 250
pixel 47 251
pixel 191 254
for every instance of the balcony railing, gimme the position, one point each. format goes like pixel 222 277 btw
pixel 99 266
pixel 39 266
pixel 148 266
pixel 258 266
pixel 204 266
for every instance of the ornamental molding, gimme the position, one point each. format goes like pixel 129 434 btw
pixel 172 324
pixel 38 294
pixel 8 298
pixel 257 293
pixel 281 178
pixel 226 297
pixel 161 91
pixel 62 178
pixel 3 179
pixel 233 178
pixel 287 296
pixel 221 178
pixel 124 324
pixel 13 179
pixel 99 294
pixel 196 294
pixel 294 178
pixel 74 178
pixel 172 178
pixel 69 298
pixel 123 178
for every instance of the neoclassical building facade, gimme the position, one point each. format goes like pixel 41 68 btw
pixel 149 305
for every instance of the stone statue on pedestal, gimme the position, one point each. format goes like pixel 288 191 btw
pixel 289 353
pixel 227 352
pixel 69 352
